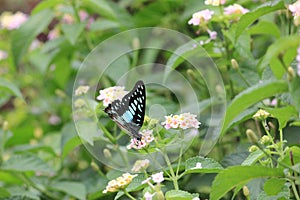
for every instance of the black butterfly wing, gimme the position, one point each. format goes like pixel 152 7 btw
pixel 130 111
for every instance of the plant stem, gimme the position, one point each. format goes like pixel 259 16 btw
pixel 129 195
pixel 243 77
pixel 87 39
pixel 173 176
pixel 295 190
pixel 180 153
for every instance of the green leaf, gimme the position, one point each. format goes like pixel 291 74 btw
pixel 4 193
pixel 74 189
pixel 178 195
pixel 41 60
pixel 284 194
pixel 21 193
pixel 43 5
pixel 248 18
pixel 283 114
pixel 9 178
pixel 243 116
pixel 23 36
pixel 10 86
pixel 295 92
pixel 90 127
pixel 278 48
pixel 265 27
pixel 73 31
pixel 101 7
pixel 208 165
pixel 253 157
pixel 251 96
pixel 62 71
pixel 231 177
pixel 69 139
pixel 136 183
pixel 273 186
pixel 26 162
pixel 102 25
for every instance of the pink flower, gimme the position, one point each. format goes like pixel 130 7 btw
pixel 184 121
pixel 12 21
pixel 200 17
pixel 295 8
pixel 3 55
pixel 158 177
pixel 235 9
pixel 68 19
pixel 146 139
pixel 212 34
pixel 54 33
pixel 298 61
pixel 83 15
pixel 215 2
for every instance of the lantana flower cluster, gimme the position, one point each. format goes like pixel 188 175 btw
pixel 184 121
pixel 215 2
pixel 140 165
pixel 261 115
pixel 203 17
pixel 295 9
pixel 12 21
pixel 108 95
pixel 83 89
pixel 147 138
pixel 119 183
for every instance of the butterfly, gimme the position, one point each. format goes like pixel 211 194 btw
pixel 129 112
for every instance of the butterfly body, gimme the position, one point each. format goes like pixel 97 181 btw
pixel 129 112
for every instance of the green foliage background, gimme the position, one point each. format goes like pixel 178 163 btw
pixel 41 156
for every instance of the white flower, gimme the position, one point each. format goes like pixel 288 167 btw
pixel 198 166
pixel 215 2
pixel 81 90
pixel 110 94
pixel 146 180
pixel 140 165
pixel 158 177
pixel 148 196
pixel 79 103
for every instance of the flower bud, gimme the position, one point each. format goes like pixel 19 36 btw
pixel 251 136
pixel 136 43
pixel 94 166
pixel 253 148
pixel 5 125
pixel 246 191
pixel 106 153
pixel 265 139
pixel 291 73
pixel 234 64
